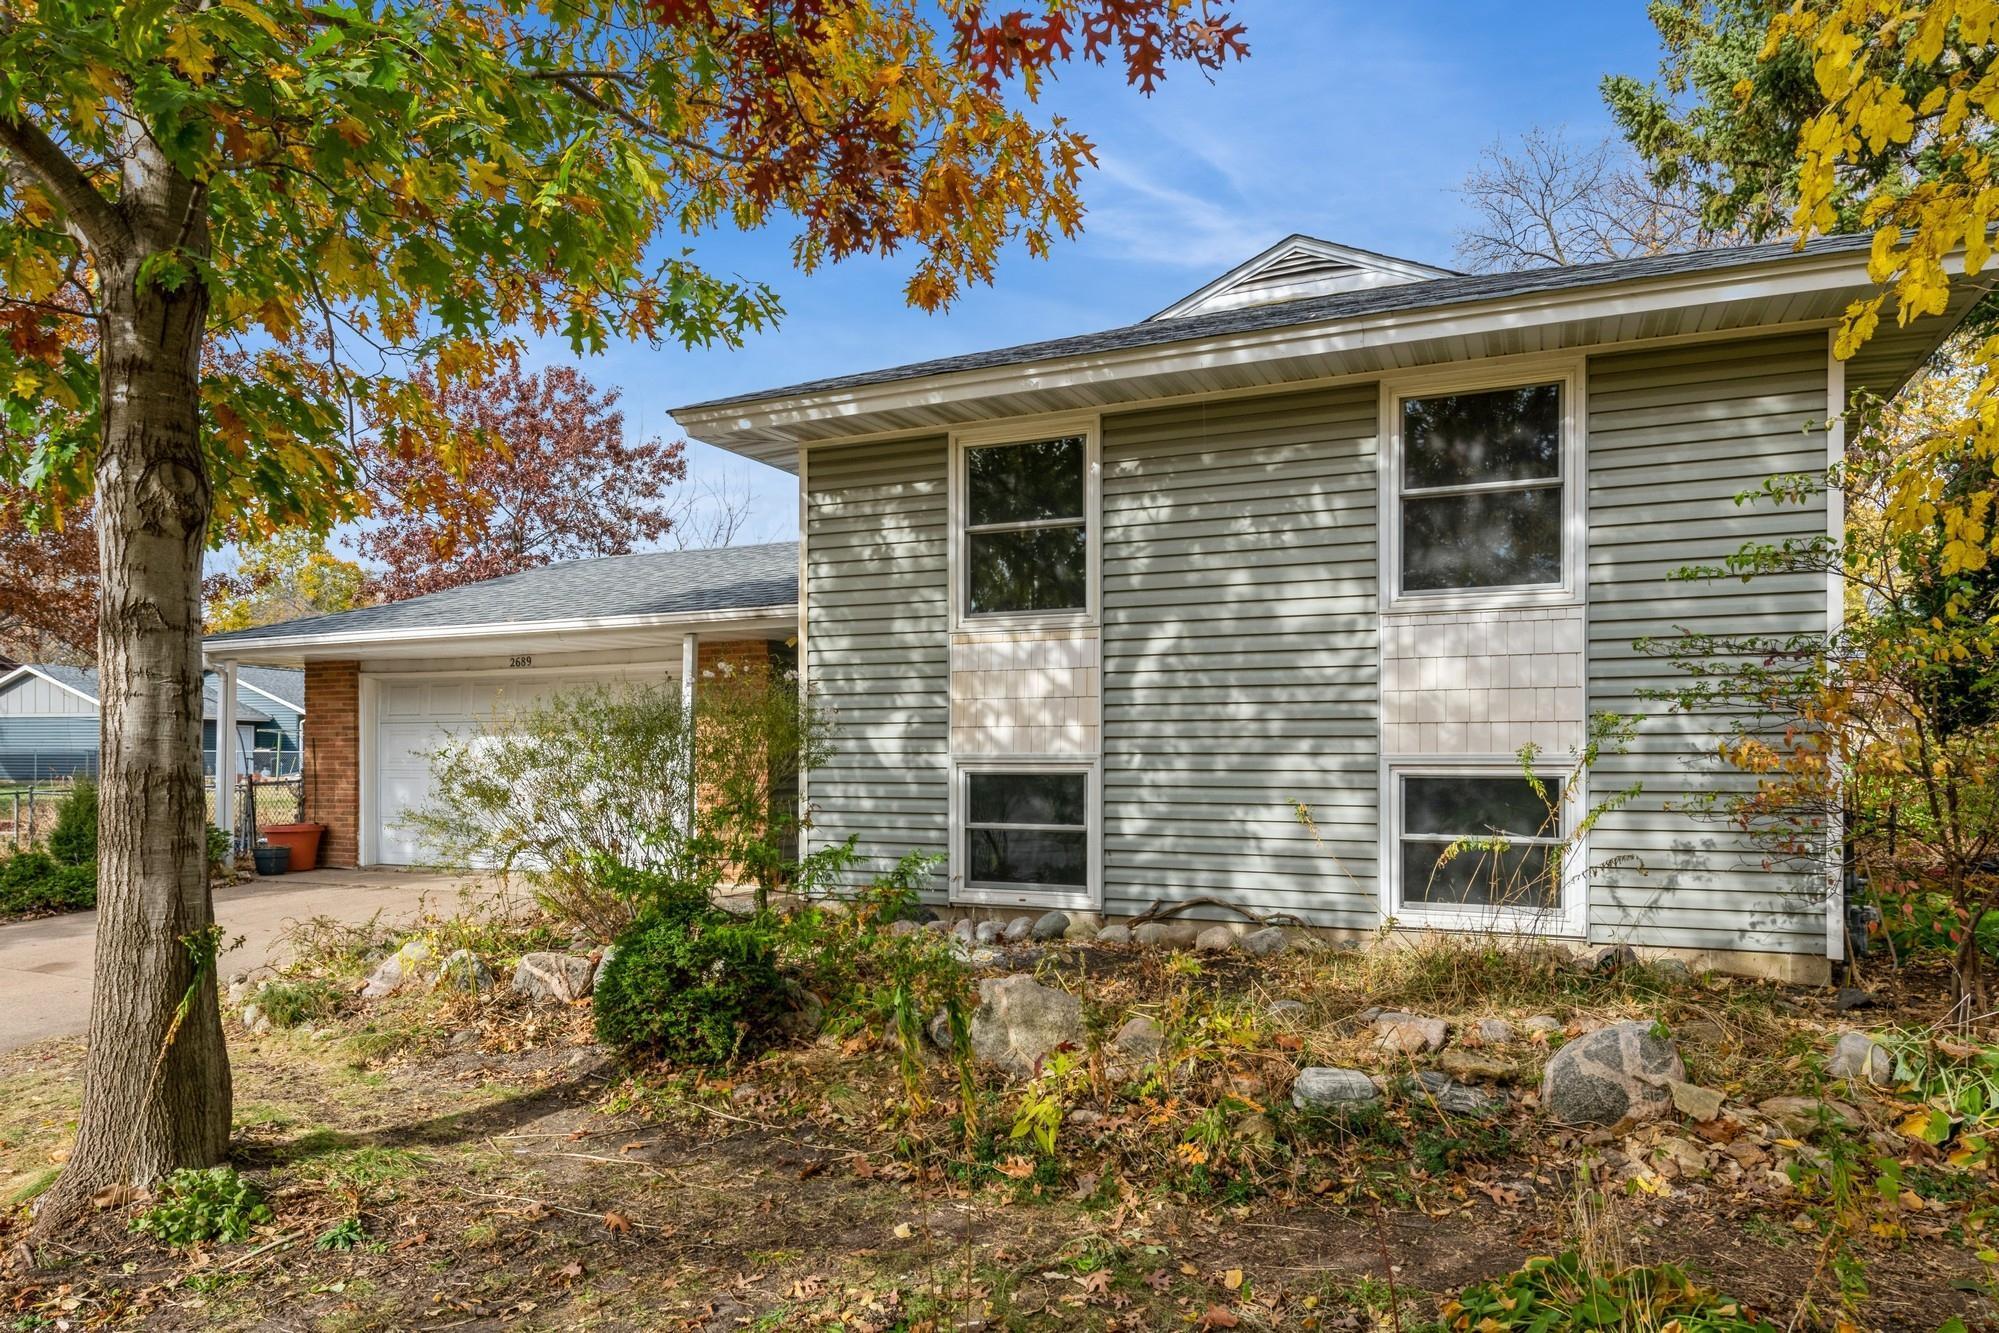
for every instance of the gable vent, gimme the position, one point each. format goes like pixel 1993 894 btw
pixel 1298 268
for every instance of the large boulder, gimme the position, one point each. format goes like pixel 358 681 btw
pixel 1321 1088
pixel 1019 1022
pixel 399 969
pixel 1615 1075
pixel 557 977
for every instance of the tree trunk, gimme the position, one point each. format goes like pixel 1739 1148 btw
pixel 156 1092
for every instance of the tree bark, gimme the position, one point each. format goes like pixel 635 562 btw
pixel 156 1092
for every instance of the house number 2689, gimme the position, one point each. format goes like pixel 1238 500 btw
pixel 518 662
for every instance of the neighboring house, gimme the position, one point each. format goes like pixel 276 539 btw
pixel 1337 532
pixel 48 722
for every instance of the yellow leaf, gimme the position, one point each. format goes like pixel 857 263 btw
pixel 1232 1279
pixel 486 178
pixel 191 53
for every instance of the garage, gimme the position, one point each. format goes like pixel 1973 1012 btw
pixel 388 685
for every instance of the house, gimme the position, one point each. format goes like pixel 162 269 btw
pixel 388 684
pixel 48 722
pixel 1258 599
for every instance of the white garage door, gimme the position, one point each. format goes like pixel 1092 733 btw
pixel 413 717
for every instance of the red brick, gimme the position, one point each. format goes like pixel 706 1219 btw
pixel 332 745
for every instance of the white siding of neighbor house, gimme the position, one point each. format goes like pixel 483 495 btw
pixel 31 696
pixel 1240 653
pixel 878 645
pixel 1674 435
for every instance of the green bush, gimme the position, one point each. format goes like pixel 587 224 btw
pixel 289 1003
pixel 196 1206
pixel 74 841
pixel 35 882
pixel 688 982
pixel 1561 1294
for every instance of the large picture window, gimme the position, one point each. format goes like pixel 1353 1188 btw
pixel 1480 478
pixel 1478 841
pixel 1027 830
pixel 1026 543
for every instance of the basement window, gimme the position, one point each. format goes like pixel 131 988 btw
pixel 1027 830
pixel 1478 840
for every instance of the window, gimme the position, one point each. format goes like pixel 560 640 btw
pixel 1026 545
pixel 1478 841
pixel 1481 490
pixel 1027 830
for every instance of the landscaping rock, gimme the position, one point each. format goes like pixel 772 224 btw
pixel 804 1016
pixel 1678 1158
pixel 1695 1102
pixel 1613 958
pixel 1254 1130
pixel 1266 943
pixel 465 1037
pixel 1798 1116
pixel 1612 1076
pixel 1851 998
pixel 1460 1063
pixel 964 929
pixel 1319 1087
pixel 986 955
pixel 1542 1023
pixel 1018 929
pixel 604 956
pixel 1215 939
pixel 1050 926
pixel 1453 1097
pixel 903 927
pixel 1136 1045
pixel 462 971
pixel 1410 1034
pixel 1019 1021
pixel 1495 1031
pixel 1286 1011
pixel 1671 970
pixel 986 932
pixel 397 970
pixel 557 977
pixel 1861 1059
pixel 938 924
pixel 254 1019
pixel 1167 934
pixel 1114 935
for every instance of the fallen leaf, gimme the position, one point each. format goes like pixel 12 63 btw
pixel 1217 1317
pixel 1232 1279
pixel 617 1222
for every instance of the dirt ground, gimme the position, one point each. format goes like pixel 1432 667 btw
pixel 506 1175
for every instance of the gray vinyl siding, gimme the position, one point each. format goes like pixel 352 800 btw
pixel 50 746
pixel 878 646
pixel 1674 435
pixel 1240 664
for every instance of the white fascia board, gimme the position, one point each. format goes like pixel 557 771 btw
pixel 26 669
pixel 739 427
pixel 457 635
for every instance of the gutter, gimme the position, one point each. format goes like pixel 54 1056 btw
pixel 230 648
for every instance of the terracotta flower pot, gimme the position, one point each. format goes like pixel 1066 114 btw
pixel 303 839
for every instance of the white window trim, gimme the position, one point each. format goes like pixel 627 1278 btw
pixel 1023 430
pixel 1567 920
pixel 992 895
pixel 1568 371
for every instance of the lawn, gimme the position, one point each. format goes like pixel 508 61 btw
pixel 436 1161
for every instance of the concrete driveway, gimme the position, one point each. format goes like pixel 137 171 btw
pixel 45 963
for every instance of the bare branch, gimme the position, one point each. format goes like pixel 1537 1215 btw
pixel 97 223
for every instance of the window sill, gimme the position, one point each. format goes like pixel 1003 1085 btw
pixel 1551 599
pixel 992 895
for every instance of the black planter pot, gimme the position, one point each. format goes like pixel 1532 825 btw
pixel 273 860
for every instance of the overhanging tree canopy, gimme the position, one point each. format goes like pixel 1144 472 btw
pixel 336 189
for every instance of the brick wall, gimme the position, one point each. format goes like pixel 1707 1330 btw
pixel 333 758
pixel 741 654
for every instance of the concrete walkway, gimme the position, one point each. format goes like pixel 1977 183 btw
pixel 45 964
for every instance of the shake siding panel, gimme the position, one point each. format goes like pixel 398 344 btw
pixel 878 646
pixel 1674 436
pixel 1240 659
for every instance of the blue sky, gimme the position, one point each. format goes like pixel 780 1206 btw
pixel 1353 122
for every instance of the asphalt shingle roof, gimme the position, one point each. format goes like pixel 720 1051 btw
pixel 1457 290
pixel 729 578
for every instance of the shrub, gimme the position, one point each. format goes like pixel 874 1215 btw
pixel 1554 1295
pixel 290 1003
pixel 196 1206
pixel 74 839
pixel 688 982
pixel 35 882
pixel 587 777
